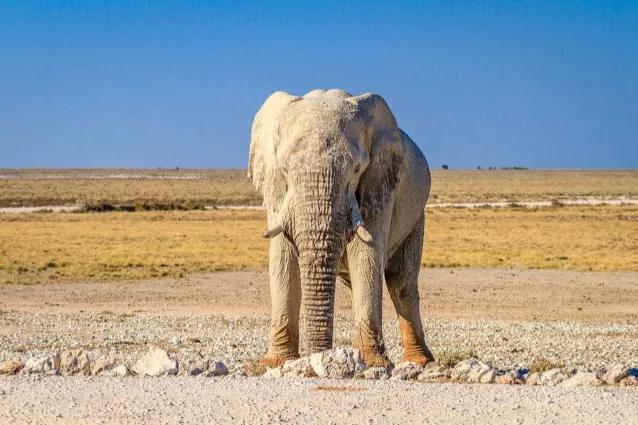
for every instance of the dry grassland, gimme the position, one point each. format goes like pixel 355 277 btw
pixel 189 189
pixel 71 247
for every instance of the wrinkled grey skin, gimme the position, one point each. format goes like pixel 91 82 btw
pixel 345 191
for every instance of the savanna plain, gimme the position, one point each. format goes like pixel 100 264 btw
pixel 523 270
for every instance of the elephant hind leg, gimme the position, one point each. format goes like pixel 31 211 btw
pixel 401 275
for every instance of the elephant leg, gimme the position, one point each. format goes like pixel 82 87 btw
pixel 285 297
pixel 366 278
pixel 401 277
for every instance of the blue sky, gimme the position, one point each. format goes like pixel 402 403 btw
pixel 177 83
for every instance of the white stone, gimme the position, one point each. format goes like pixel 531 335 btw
pixel 615 374
pixel 433 372
pixel 473 370
pixel 273 372
pixel 406 371
pixel 375 373
pixel 298 368
pixel 49 365
pixel 582 379
pixel 75 362
pixel 550 377
pixel 102 364
pixel 337 363
pixel 511 377
pixel 216 368
pixel 155 362
pixel 118 371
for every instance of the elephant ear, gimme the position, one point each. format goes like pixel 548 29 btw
pixel 383 139
pixel 262 164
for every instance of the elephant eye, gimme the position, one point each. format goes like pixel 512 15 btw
pixel 356 169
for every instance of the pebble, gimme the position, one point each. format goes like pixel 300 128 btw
pixel 615 374
pixel 473 370
pixel 75 362
pixel 433 372
pixel 47 364
pixel 337 363
pixel 406 371
pixel 10 366
pixel 216 368
pixel 376 373
pixel 582 379
pixel 155 362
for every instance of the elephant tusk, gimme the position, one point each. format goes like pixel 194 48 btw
pixel 357 222
pixel 363 233
pixel 271 233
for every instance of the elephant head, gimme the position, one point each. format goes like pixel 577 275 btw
pixel 324 162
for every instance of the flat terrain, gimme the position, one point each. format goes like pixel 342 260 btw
pixel 505 317
pixel 69 247
pixel 455 293
pixel 184 188
pixel 255 401
pixel 513 286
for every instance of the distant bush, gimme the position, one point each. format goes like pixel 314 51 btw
pixel 445 166
pixel 514 168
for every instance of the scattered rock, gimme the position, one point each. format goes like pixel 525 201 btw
pixel 194 367
pixel 473 370
pixel 216 368
pixel 337 363
pixel 118 371
pixel 11 367
pixel 155 362
pixel 195 370
pixel 75 362
pixel 49 365
pixel 615 374
pixel 300 368
pixel 433 372
pixel 511 377
pixel 273 372
pixel 406 370
pixel 582 379
pixel 630 381
pixel 374 373
pixel 102 364
pixel 550 377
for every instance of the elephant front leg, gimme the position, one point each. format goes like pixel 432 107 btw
pixel 366 274
pixel 285 297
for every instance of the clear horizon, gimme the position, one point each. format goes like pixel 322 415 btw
pixel 170 84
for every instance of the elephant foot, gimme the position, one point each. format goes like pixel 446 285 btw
pixel 373 359
pixel 276 360
pixel 414 348
pixel 418 358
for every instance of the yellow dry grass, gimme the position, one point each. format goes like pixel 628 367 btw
pixel 189 188
pixel 105 246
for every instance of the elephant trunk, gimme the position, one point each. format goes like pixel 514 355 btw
pixel 320 223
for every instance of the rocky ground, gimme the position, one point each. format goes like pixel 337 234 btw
pixel 207 329
pixel 175 400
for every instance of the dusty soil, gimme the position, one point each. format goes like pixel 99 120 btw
pixel 507 318
pixel 458 293
pixel 71 400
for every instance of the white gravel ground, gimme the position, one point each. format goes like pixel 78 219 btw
pixel 234 340
pixel 64 400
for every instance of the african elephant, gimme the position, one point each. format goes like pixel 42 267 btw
pixel 326 163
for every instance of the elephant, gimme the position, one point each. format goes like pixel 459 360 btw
pixel 345 192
